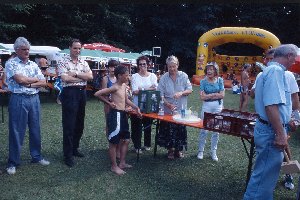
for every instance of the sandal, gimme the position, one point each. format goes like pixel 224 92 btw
pixel 179 154
pixel 171 154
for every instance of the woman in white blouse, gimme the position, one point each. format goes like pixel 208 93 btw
pixel 143 80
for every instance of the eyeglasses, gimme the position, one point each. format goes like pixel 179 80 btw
pixel 142 64
pixel 25 49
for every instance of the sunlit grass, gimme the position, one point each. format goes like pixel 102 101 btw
pixel 151 178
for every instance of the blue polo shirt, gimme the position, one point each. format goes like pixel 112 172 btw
pixel 210 88
pixel 272 89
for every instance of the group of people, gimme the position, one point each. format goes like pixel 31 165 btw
pixel 273 103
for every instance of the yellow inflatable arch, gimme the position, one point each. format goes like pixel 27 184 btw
pixel 218 36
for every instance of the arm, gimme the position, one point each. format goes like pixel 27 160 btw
pixel 135 84
pixel 128 102
pixel 102 95
pixel 24 80
pixel 187 88
pixel 73 77
pixel 86 76
pixel 104 82
pixel 177 95
pixel 154 82
pixel 40 83
pixel 69 77
pixel 4 80
pixel 273 116
pixel 218 95
pixel 295 106
pixel 295 101
pixel 204 96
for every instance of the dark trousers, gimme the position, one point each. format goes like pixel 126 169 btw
pixel 73 111
pixel 136 131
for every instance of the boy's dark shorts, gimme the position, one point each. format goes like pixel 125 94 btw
pixel 117 124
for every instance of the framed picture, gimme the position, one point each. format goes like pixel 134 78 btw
pixel 156 51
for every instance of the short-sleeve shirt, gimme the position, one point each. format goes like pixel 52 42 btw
pixel 29 69
pixel 210 88
pixel 272 89
pixel 138 81
pixel 67 65
pixel 291 82
pixel 290 78
pixel 168 88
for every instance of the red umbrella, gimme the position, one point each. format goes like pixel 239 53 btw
pixel 102 47
pixel 296 67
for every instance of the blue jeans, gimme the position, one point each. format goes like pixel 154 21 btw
pixel 267 166
pixel 24 110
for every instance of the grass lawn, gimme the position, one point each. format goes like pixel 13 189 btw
pixel 151 178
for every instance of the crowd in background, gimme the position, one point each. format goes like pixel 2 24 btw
pixel 23 78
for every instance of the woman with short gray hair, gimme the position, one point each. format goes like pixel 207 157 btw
pixel 212 93
pixel 174 86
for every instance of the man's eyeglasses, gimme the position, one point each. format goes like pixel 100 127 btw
pixel 25 49
pixel 142 64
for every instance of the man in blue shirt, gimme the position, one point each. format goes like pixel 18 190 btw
pixel 24 78
pixel 273 104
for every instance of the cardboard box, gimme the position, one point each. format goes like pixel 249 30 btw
pixel 231 122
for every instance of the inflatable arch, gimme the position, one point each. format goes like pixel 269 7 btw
pixel 223 35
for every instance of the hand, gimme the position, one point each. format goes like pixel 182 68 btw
pixel 292 126
pixel 177 95
pixel 128 108
pixel 73 74
pixel 280 141
pixel 139 113
pixel 112 105
pixel 171 106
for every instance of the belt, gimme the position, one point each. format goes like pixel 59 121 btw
pixel 267 123
pixel 25 95
pixel 80 87
pixel 210 100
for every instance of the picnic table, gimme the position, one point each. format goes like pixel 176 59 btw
pixel 199 125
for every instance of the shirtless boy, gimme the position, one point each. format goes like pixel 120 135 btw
pixel 118 128
pixel 245 81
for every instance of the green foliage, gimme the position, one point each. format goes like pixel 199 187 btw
pixel 150 178
pixel 137 27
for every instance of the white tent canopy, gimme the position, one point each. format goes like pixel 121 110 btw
pixel 3 50
pixel 48 51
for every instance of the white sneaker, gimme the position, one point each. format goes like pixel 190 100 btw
pixel 11 170
pixel 44 162
pixel 288 182
pixel 147 148
pixel 138 151
pixel 214 155
pixel 200 155
pixel 289 185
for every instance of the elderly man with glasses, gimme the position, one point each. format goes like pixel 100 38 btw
pixel 24 78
